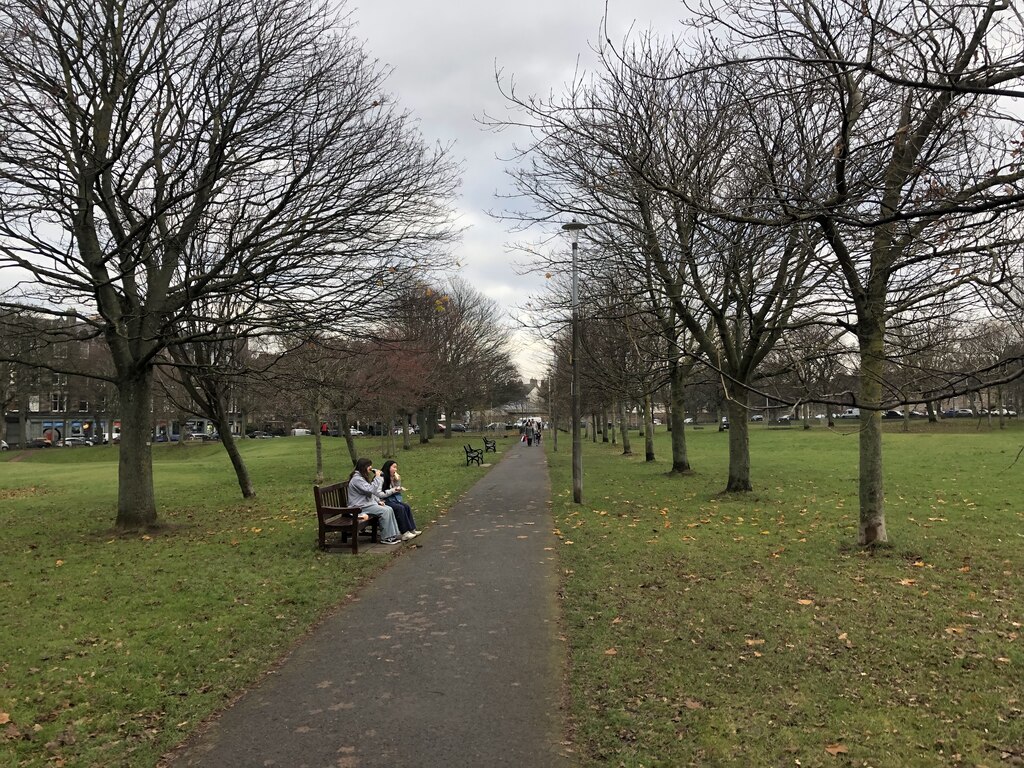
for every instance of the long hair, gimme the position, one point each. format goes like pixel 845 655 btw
pixel 361 466
pixel 386 471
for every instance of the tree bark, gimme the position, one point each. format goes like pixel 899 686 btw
pixel 739 445
pixel 318 477
pixel 241 470
pixel 677 415
pixel 648 429
pixel 872 373
pixel 136 500
pixel 627 448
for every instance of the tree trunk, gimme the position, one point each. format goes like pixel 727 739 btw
pixel 932 418
pixel 648 429
pixel 677 414
pixel 136 501
pixel 241 471
pixel 739 445
pixel 872 373
pixel 318 477
pixel 627 448
pixel 349 442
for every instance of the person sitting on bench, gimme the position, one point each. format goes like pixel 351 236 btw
pixel 364 486
pixel 391 494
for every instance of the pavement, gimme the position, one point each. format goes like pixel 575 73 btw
pixel 450 657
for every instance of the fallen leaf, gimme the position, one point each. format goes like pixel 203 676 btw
pixel 755 641
pixel 836 749
pixel 692 704
pixel 5 717
pixel 611 652
pixel 805 601
pixel 907 582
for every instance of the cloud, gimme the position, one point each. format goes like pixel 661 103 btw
pixel 445 55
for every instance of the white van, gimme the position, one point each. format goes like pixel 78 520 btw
pixel 301 432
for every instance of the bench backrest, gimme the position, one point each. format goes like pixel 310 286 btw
pixel 334 495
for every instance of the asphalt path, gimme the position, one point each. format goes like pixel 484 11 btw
pixel 450 657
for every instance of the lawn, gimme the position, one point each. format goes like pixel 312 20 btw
pixel 702 629
pixel 113 647
pixel 717 630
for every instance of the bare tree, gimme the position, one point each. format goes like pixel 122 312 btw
pixel 154 153
pixel 915 194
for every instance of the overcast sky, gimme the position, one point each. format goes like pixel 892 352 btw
pixel 444 54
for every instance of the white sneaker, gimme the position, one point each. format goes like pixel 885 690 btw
pixel 408 535
pixel 417 532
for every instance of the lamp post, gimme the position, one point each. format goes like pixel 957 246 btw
pixel 574 228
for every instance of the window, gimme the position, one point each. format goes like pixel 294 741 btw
pixel 58 402
pixel 83 406
pixel 33 403
pixel 60 351
pixel 60 379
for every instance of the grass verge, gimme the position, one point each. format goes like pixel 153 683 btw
pixel 719 630
pixel 114 647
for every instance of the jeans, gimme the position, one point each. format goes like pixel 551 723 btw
pixel 403 514
pixel 389 529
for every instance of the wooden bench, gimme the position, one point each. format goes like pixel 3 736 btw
pixel 333 515
pixel 490 446
pixel 473 454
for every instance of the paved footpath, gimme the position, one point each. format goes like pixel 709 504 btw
pixel 450 657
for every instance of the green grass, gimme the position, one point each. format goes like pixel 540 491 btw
pixel 114 647
pixel 715 630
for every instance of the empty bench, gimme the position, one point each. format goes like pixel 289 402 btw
pixel 490 446
pixel 333 515
pixel 473 454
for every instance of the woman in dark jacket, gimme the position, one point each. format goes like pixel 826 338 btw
pixel 391 494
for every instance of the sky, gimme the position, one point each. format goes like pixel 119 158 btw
pixel 444 55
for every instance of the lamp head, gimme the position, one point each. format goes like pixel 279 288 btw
pixel 574 228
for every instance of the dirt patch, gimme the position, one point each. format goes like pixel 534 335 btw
pixel 20 493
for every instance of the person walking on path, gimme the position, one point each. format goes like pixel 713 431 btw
pixel 450 657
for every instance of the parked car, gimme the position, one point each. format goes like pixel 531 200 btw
pixel 1003 412
pixel 757 417
pixel 356 432
pixel 688 420
pixel 725 422
pixel 71 442
pixel 783 419
pixel 458 427
pixel 39 442
pixel 892 415
pixel 4 446
pixel 259 435
pixel 964 412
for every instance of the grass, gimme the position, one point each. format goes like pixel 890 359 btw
pixel 114 647
pixel 715 630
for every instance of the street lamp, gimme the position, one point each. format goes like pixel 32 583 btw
pixel 574 228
